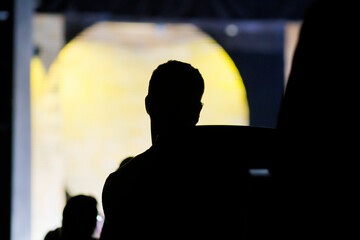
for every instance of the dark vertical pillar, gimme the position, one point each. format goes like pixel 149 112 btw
pixel 6 76
pixel 15 53
pixel 21 138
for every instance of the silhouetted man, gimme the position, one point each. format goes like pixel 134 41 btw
pixel 150 194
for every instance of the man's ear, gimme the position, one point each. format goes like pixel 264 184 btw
pixel 200 107
pixel 198 110
pixel 147 105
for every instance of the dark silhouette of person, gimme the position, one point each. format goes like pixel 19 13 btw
pixel 192 181
pixel 315 98
pixel 79 220
pixel 131 195
pixel 316 117
pixel 54 234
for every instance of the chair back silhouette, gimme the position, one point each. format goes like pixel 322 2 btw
pixel 242 161
pixel 207 181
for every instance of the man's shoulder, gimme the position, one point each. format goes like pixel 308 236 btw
pixel 119 184
pixel 136 161
pixel 130 170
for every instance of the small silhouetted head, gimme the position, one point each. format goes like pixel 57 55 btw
pixel 175 92
pixel 79 217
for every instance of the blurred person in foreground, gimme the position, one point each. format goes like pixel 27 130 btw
pixel 79 220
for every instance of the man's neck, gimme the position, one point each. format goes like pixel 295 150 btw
pixel 167 129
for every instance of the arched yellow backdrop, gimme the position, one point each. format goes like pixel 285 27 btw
pixel 89 113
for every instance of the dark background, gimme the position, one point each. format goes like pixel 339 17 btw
pixel 214 9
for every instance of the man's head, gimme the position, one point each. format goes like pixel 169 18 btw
pixel 175 92
pixel 79 217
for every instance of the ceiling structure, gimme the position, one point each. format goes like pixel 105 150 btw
pixel 218 9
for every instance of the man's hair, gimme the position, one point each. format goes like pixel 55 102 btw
pixel 176 82
pixel 79 216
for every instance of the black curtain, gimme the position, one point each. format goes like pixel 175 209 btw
pixel 219 9
pixel 6 99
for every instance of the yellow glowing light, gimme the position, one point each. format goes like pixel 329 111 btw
pixel 100 81
pixel 37 77
pixel 47 161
